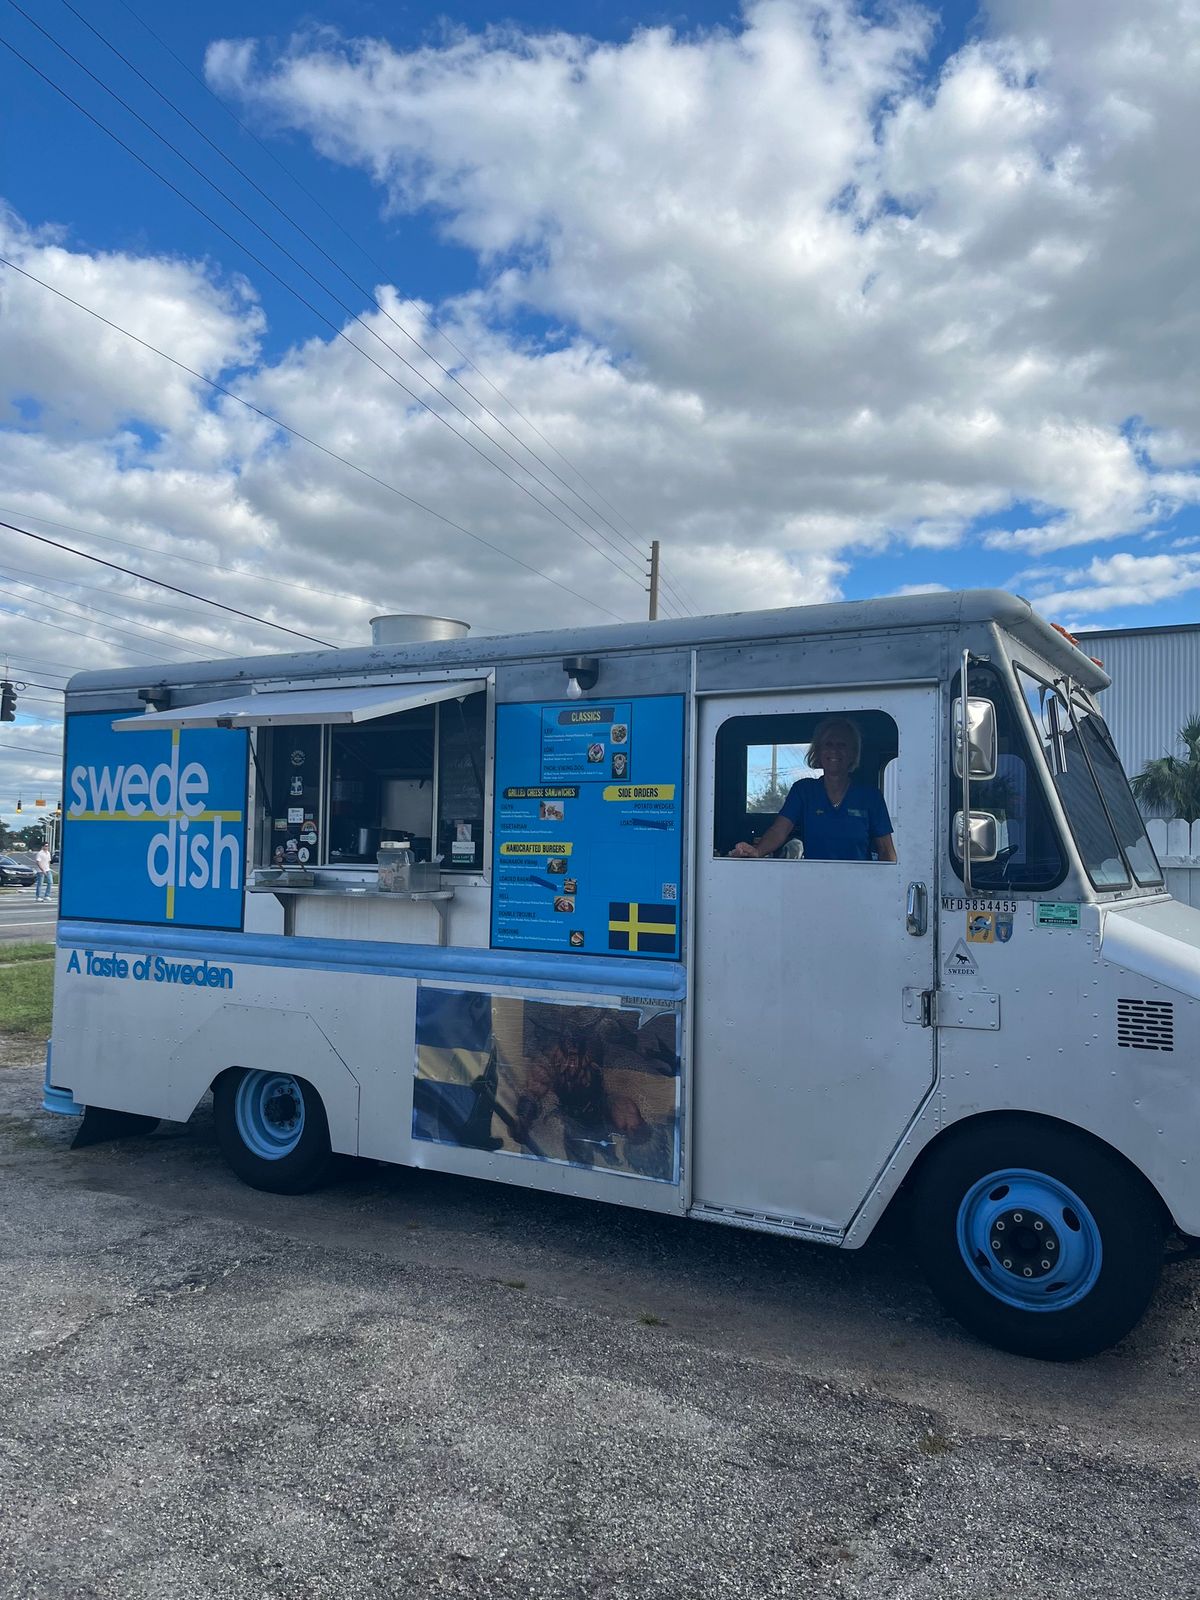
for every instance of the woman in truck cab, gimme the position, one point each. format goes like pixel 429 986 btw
pixel 836 818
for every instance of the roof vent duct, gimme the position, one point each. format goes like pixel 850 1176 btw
pixel 409 627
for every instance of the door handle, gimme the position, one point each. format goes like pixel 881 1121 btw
pixel 916 915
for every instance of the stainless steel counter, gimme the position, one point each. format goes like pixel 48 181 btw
pixel 288 893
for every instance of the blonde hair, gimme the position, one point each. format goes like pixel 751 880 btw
pixel 827 725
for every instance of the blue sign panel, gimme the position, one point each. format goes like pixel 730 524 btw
pixel 588 834
pixel 154 824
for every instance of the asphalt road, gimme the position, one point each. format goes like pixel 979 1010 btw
pixel 22 917
pixel 422 1386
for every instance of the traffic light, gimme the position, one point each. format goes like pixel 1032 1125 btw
pixel 8 703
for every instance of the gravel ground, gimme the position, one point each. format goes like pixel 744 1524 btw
pixel 415 1385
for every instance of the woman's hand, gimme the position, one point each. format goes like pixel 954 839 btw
pixel 777 834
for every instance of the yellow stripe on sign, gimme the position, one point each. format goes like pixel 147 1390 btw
pixel 153 816
pixel 171 886
pixel 633 926
pixel 522 847
pixel 450 1064
pixel 639 791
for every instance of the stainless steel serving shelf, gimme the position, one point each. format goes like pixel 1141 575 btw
pixel 288 893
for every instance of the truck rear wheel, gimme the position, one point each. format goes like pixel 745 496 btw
pixel 272 1130
pixel 1036 1238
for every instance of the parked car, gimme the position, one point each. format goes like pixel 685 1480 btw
pixel 14 871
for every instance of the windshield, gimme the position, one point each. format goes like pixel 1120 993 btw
pixel 1092 786
pixel 1114 789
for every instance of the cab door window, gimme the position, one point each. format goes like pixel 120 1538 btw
pixel 767 769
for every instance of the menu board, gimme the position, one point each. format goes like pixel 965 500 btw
pixel 588 833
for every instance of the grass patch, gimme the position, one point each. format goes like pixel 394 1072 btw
pixel 25 952
pixel 26 993
pixel 649 1320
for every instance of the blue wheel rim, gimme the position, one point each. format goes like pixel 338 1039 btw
pixel 269 1112
pixel 1029 1240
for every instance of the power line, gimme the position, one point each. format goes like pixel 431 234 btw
pixel 307 439
pixel 57 668
pixel 60 627
pixel 153 550
pixel 291 289
pixel 384 273
pixel 20 672
pixel 680 593
pixel 30 749
pixel 174 555
pixel 175 637
pixel 160 582
pixel 365 292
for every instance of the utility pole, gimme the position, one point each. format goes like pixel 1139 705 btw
pixel 654 580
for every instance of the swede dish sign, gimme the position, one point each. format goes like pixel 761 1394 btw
pixel 154 825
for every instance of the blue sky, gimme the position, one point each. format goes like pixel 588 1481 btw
pixel 834 300
pixel 111 203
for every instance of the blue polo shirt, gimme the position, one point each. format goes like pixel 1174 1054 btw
pixel 836 833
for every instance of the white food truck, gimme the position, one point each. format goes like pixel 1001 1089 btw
pixel 576 985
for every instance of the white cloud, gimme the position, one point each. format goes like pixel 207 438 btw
pixel 1114 582
pixel 86 377
pixel 723 208
pixel 807 303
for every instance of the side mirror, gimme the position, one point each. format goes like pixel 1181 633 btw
pixel 985 836
pixel 978 736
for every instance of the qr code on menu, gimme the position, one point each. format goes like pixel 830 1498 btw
pixel 670 891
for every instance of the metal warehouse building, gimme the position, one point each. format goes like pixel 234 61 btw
pixel 1155 687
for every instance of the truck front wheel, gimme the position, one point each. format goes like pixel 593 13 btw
pixel 1036 1238
pixel 272 1130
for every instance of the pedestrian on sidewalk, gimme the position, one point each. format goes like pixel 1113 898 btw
pixel 44 882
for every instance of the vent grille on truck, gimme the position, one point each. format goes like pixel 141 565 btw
pixel 1146 1024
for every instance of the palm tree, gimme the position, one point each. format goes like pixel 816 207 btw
pixel 1170 786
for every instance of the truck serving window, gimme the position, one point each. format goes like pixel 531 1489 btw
pixel 1030 855
pixel 1092 786
pixel 337 792
pixel 759 759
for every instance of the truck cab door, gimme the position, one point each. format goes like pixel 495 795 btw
pixel 810 1059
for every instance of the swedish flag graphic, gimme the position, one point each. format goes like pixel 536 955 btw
pixel 650 930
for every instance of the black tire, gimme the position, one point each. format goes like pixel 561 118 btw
pixel 303 1163
pixel 1115 1236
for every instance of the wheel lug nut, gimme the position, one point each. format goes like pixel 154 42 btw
pixel 1018 1216
pixel 1000 1225
pixel 1029 1272
pixel 995 1244
pixel 1045 1266
pixel 1039 1225
pixel 1008 1263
